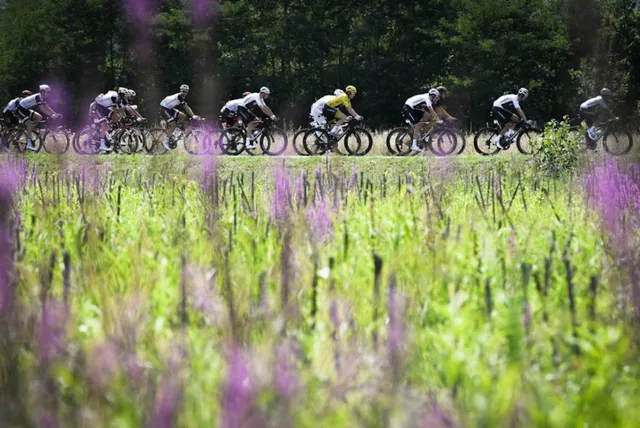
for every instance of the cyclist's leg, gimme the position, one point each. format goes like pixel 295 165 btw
pixel 30 122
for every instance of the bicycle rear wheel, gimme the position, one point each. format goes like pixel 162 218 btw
pixel 392 137
pixel 484 142
pixel 87 141
pixel 444 142
pixel 153 141
pixel 297 142
pixel 231 142
pixel 617 143
pixel 316 141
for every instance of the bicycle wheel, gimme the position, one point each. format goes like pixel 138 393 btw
pixel 87 141
pixel 297 143
pixel 231 142
pixel 444 142
pixel 153 141
pixel 18 139
pixel 274 141
pixel 128 141
pixel 392 137
pixel 484 142
pixel 197 142
pixel 462 139
pixel 364 142
pixel 316 141
pixel 617 143
pixel 529 142
pixel 55 141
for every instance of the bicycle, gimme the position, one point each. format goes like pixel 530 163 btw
pixel 195 139
pixel 528 139
pixel 53 140
pixel 400 140
pixel 126 137
pixel 272 140
pixel 615 141
pixel 357 140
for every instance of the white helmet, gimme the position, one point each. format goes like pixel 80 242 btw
pixel 184 88
pixel 338 92
pixel 434 92
pixel 131 93
pixel 524 92
pixel 122 91
pixel 45 88
pixel 265 90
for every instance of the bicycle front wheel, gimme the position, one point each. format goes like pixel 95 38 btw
pixel 444 142
pixel 153 141
pixel 231 142
pixel 316 141
pixel 56 141
pixel 197 142
pixel 364 142
pixel 529 142
pixel 617 143
pixel 274 141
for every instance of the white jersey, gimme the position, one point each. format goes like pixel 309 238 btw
pixel 232 105
pixel 594 104
pixel 507 102
pixel 31 101
pixel 422 102
pixel 173 101
pixel 108 100
pixel 13 105
pixel 253 100
pixel 318 106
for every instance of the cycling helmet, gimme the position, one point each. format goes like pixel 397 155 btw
pixel 351 89
pixel 244 94
pixel 606 92
pixel 434 92
pixel 131 93
pixel 524 92
pixel 338 92
pixel 442 90
pixel 265 90
pixel 123 91
pixel 184 88
pixel 26 93
pixel 45 88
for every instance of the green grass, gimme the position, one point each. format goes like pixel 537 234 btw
pixel 170 267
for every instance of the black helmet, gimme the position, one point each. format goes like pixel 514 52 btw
pixel 26 93
pixel 442 90
pixel 606 93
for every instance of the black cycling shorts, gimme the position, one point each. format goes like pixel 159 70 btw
pixel 247 115
pixel 589 116
pixel 103 113
pixel 413 115
pixel 329 113
pixel 503 116
pixel 170 114
pixel 227 116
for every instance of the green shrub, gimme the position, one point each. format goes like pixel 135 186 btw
pixel 560 148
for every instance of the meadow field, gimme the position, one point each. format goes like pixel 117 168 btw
pixel 318 292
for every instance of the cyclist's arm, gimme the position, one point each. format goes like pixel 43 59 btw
pixel 352 112
pixel 188 110
pixel 432 112
pixel 47 110
pixel 445 113
pixel 266 110
pixel 521 114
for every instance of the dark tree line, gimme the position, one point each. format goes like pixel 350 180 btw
pixel 562 50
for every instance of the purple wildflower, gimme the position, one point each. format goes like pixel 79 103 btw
pixel 320 223
pixel 286 379
pixel 102 365
pixel 238 393
pixel 616 195
pixel 167 402
pixel 281 202
pixel 8 187
pixel 52 332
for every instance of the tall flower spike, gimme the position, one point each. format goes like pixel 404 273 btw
pixel 237 394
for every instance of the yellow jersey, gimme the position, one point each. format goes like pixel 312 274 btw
pixel 339 101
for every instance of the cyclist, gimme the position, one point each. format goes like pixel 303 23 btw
pixel 438 107
pixel 506 110
pixel 132 110
pixel 590 111
pixel 229 112
pixel 332 107
pixel 32 108
pixel 105 109
pixel 419 109
pixel 253 105
pixel 10 112
pixel 176 109
pixel 316 119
